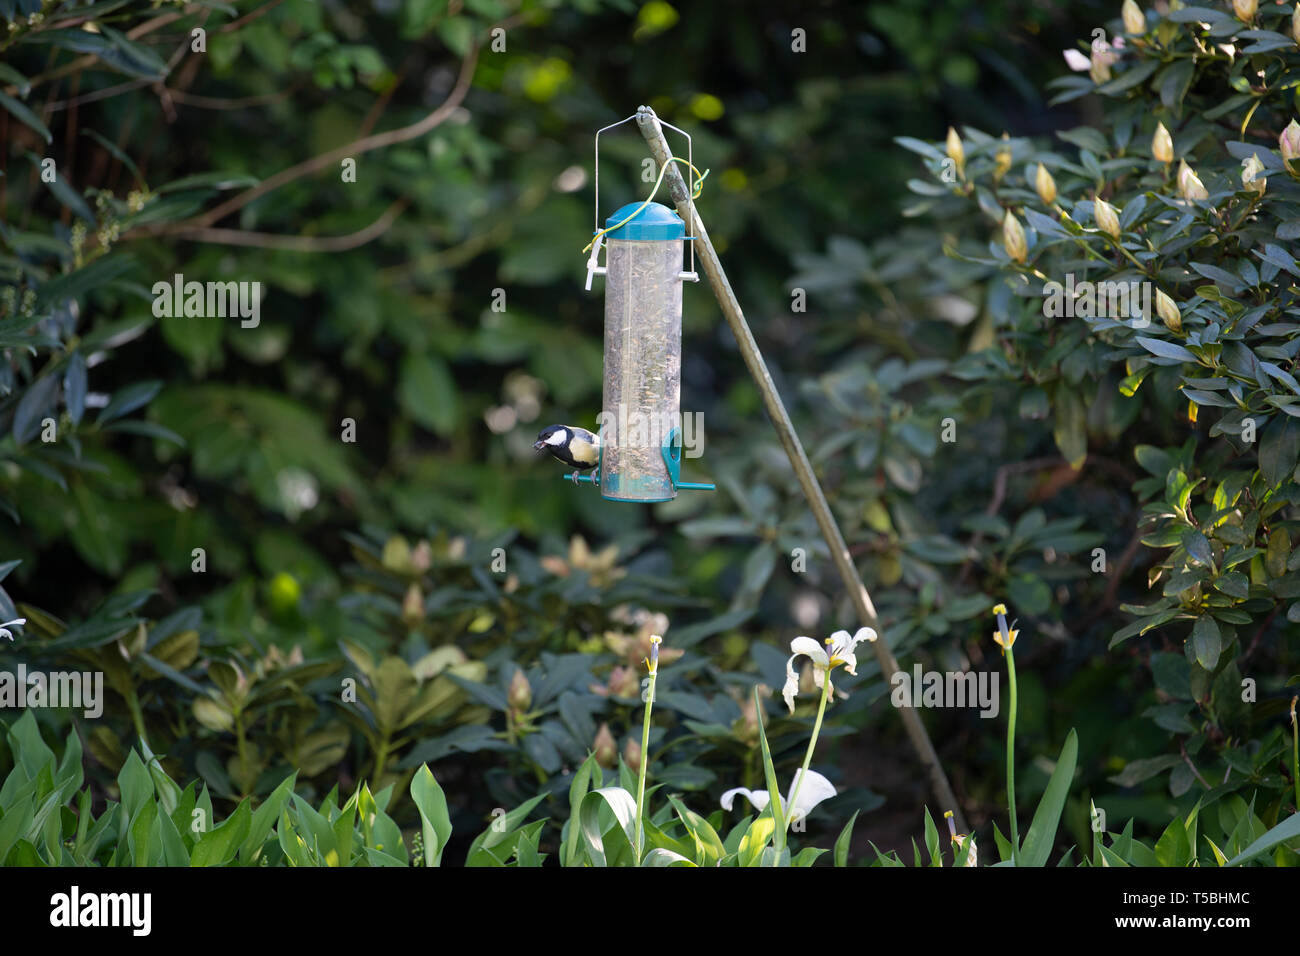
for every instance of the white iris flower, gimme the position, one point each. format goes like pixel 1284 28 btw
pixel 815 789
pixel 839 650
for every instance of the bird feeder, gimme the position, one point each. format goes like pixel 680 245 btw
pixel 641 422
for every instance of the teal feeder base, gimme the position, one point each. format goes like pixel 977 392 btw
pixel 672 454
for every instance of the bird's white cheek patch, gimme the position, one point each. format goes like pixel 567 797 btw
pixel 555 439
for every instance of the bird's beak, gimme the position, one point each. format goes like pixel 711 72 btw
pixel 539 445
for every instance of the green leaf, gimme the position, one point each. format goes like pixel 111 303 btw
pixel 116 153
pixel 694 633
pixel 932 840
pixel 622 805
pixel 432 804
pixel 218 846
pixel 211 180
pixel 843 840
pixel 64 193
pixel 1197 547
pixel 503 826
pixel 74 387
pixel 1039 840
pixel 1286 830
pixel 1070 429
pixel 264 817
pixel 1234 584
pixel 79 282
pixel 427 392
pixel 662 857
pixel 708 845
pixel 756 838
pixel 36 404
pixel 129 399
pixel 1279 450
pixel 1206 642
pixel 1175 81
pixel 25 116
pixel 1165 350
pixel 1196 15
pixel 1131 77
pixel 769 772
pixel 1029 594
pixel 807 856
pixel 577 792
pixel 140 836
pixel 757 569
pixel 1141 626
pixel 1173 848
pixel 1277 256
pixel 10 75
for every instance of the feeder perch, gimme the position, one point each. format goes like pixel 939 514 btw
pixel 640 422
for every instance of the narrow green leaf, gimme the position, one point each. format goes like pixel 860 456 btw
pixel 25 116
pixel 432 804
pixel 1038 841
pixel 843 840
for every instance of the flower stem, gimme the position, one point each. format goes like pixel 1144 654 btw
pixel 645 760
pixel 381 758
pixel 807 758
pixel 1011 757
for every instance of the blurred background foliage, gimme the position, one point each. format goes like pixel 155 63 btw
pixel 357 469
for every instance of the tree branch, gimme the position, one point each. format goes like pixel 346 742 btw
pixel 266 240
pixel 330 158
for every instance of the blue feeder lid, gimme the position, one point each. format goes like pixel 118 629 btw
pixel 655 221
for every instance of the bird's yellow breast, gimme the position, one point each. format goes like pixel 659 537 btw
pixel 583 452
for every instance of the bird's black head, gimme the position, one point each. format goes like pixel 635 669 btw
pixel 550 437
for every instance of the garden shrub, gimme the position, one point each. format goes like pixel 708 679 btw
pixel 1185 196
pixel 344 620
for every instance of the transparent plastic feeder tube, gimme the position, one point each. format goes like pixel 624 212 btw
pixel 643 361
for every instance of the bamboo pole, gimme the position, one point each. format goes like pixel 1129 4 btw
pixel 708 258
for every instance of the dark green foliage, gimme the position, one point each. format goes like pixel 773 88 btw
pixel 350 466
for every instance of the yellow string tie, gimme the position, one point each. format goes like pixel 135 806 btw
pixel 695 194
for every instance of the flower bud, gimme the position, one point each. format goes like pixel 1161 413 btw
pixel 955 151
pixel 1289 141
pixel 1001 161
pixel 413 605
pixel 1106 217
pixel 397 555
pixel 632 755
pixel 520 694
pixel 1162 144
pixel 1189 184
pixel 1167 309
pixel 1045 184
pixel 1135 22
pixel 1013 238
pixel 1075 60
pixel 1250 175
pixel 605 747
pixel 1295 24
pixel 1245 9
pixel 623 682
pixel 746 727
pixel 421 557
pixel 1099 65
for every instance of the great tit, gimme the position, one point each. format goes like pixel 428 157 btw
pixel 573 446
